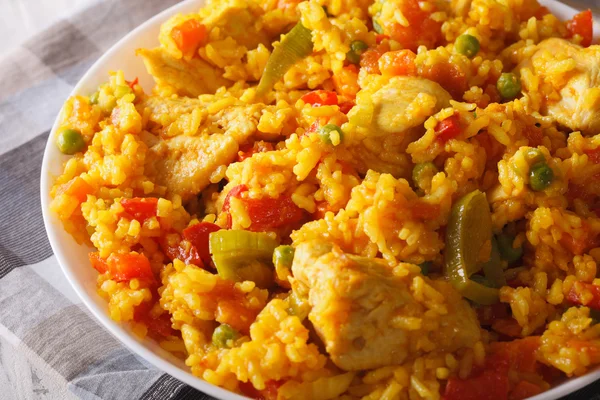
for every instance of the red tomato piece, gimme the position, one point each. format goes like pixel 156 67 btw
pixel 133 83
pixel 369 60
pixel 518 355
pixel 422 30
pixel 346 106
pixel 128 266
pixel 448 128
pixel 98 262
pixel 189 36
pixel 574 295
pixel 250 149
pixel 140 208
pixel 269 213
pixel 582 24
pixel 593 155
pixel 380 37
pixel 401 62
pixel 184 251
pixel 234 192
pixel 524 390
pixel 159 326
pixel 488 385
pixel 487 315
pixel 198 235
pixel 319 98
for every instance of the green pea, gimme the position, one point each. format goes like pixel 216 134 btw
pixel 70 141
pixel 467 45
pixel 422 174
pixel 94 97
pixel 223 334
pixel 357 47
pixel 328 130
pixel 122 90
pixel 507 251
pixel 283 256
pixel 376 27
pixel 508 85
pixel 425 267
pixel 540 176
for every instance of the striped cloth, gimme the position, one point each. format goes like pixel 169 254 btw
pixel 50 346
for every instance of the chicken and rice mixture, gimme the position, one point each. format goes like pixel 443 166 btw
pixel 350 199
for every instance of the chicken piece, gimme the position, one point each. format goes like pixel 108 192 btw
pixel 164 111
pixel 370 315
pixel 399 109
pixel 406 102
pixel 237 19
pixel 578 105
pixel 189 78
pixel 184 164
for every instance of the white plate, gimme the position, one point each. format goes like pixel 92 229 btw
pixel 73 258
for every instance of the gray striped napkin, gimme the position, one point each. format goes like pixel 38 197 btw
pixel 50 346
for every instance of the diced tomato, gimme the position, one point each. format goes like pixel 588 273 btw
pixel 133 82
pixel 524 390
pixel 380 37
pixel 346 81
pixel 128 266
pixel 422 30
pixel 424 210
pixel 401 62
pixel 76 187
pixel 518 355
pixel 160 326
pixel 234 192
pixel 267 213
pixel 448 128
pixel 175 248
pixel 140 208
pixel 369 60
pixel 488 385
pixel 593 155
pixel 582 24
pixel 250 149
pixel 98 262
pixel 534 135
pixel 319 98
pixel 541 12
pixel 508 327
pixel 574 295
pixel 198 235
pixel 448 75
pixel 346 106
pixel 189 36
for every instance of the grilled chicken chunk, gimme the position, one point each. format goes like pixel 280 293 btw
pixel 370 315
pixel 578 104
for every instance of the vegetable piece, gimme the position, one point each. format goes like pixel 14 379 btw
pixel 223 336
pixel 540 176
pixel 467 45
pixel 448 128
pixel 331 134
pixel 425 267
pixel 507 251
pixel 94 97
pixel 318 98
pixel 508 86
pixel 243 255
pixel 70 141
pixel 98 262
pixel 469 230
pixel 158 325
pixel 492 269
pixel 295 46
pixel 535 156
pixel 140 208
pixel 298 305
pixel 283 255
pixel 585 294
pixel 489 385
pixel 423 171
pixel 122 90
pixel 357 47
pixel 397 63
pixel 582 24
pixel 198 235
pixel 76 187
pixel 377 27
pixel 189 36
pixel 128 266
pixel 175 248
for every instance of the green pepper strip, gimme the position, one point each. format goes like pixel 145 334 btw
pixel 469 228
pixel 242 255
pixel 493 268
pixel 295 46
